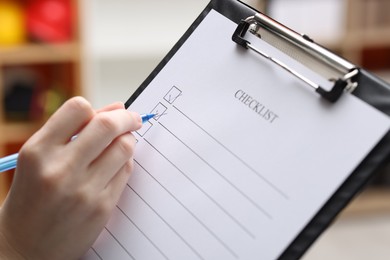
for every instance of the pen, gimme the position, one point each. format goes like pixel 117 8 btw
pixel 9 162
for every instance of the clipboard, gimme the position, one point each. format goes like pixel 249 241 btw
pixel 348 79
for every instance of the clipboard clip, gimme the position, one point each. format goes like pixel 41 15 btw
pixel 302 48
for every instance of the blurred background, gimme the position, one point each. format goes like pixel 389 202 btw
pixel 51 50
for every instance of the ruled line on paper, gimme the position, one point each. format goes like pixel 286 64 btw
pixel 143 233
pixel 242 193
pixel 272 185
pixel 120 244
pixel 169 225
pixel 218 205
pixel 96 253
pixel 190 212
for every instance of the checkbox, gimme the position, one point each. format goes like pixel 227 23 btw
pixel 172 94
pixel 145 128
pixel 159 110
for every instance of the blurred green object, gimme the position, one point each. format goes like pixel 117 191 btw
pixel 54 98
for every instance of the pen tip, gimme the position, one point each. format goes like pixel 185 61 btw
pixel 147 117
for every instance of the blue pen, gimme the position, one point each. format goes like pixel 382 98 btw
pixel 9 162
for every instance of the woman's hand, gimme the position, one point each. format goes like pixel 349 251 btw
pixel 64 192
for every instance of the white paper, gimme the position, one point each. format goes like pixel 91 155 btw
pixel 219 175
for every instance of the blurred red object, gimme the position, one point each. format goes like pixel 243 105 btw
pixel 49 20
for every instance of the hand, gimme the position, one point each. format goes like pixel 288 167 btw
pixel 64 192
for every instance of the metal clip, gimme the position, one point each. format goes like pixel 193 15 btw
pixel 345 83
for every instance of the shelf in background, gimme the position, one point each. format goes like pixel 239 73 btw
pixel 366 37
pixel 18 131
pixel 39 53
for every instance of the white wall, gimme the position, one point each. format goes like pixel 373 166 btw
pixel 123 40
pixel 323 20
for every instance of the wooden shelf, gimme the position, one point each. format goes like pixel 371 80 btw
pixel 39 53
pixel 52 67
pixel 367 38
pixel 18 132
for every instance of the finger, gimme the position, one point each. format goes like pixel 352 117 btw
pixel 111 160
pixel 117 105
pixel 118 183
pixel 101 131
pixel 67 120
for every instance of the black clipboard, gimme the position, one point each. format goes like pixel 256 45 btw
pixel 371 90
